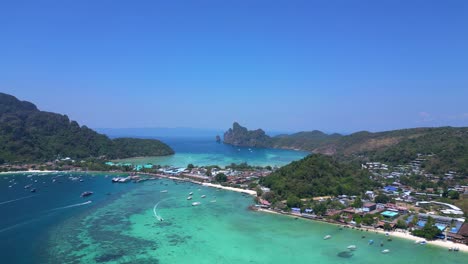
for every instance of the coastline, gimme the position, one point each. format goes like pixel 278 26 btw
pixel 30 171
pixel 399 234
pixel 250 192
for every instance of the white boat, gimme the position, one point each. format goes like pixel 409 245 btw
pixel 385 251
pixel 352 247
pixel 164 191
pixel 189 198
pixel 190 193
pixel 327 237
pixel 423 242
pixel 203 196
pixel 196 203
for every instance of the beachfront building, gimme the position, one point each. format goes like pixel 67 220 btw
pixel 389 215
pixel 296 210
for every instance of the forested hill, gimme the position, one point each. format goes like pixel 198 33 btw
pixel 28 134
pixel 449 145
pixel 318 175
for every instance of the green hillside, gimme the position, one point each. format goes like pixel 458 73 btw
pixel 318 175
pixel 28 134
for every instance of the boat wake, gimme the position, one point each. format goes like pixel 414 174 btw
pixel 19 199
pixel 41 215
pixel 70 206
pixel 155 207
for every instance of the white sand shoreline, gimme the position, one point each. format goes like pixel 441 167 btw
pixel 250 192
pixel 403 235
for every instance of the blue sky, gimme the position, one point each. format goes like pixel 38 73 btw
pixel 281 65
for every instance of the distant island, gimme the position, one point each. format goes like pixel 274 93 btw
pixel 447 146
pixel 30 135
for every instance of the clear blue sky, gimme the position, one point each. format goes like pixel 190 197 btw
pixel 280 65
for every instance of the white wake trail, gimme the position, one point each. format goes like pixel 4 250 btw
pixel 70 206
pixel 19 199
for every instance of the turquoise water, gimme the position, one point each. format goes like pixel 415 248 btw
pixel 203 152
pixel 121 225
pixel 220 230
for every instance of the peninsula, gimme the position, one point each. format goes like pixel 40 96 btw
pixel 31 135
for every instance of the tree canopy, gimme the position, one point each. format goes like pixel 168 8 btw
pixel 318 175
pixel 29 135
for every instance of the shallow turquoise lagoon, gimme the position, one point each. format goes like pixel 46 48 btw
pixel 127 229
pixel 203 152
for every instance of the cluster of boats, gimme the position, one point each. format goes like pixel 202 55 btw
pixel 354 247
pixel 454 249
pixel 190 196
pixel 121 179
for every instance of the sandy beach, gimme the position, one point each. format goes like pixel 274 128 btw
pixel 250 192
pixel 399 234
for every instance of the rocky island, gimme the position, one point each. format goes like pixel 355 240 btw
pixel 240 136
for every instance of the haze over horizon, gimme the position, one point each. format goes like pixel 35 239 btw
pixel 334 66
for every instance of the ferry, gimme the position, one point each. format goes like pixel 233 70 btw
pixel 85 194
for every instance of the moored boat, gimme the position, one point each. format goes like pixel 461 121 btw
pixel 352 247
pixel 87 193
pixel 196 203
pixel 327 237
pixel 385 251
pixel 189 198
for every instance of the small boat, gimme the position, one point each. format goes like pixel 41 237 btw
pixel 85 194
pixel 456 249
pixel 189 198
pixel 385 251
pixel 327 237
pixel 196 203
pixel 213 201
pixel 352 247
pixel 33 190
pixel 27 186
pixel 203 196
pixel 371 242
pixel 451 249
pixel 164 191
pixel 423 242
pixel 190 193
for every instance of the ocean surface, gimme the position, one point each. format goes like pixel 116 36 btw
pixel 121 223
pixel 206 151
